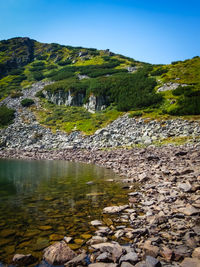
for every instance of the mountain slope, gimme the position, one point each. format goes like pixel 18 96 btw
pixel 98 81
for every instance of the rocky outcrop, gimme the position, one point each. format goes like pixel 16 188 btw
pixel 170 86
pixel 65 98
pixel 94 103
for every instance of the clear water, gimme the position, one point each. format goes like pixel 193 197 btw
pixel 43 201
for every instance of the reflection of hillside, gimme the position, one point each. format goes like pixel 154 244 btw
pixel 49 178
pixel 6 188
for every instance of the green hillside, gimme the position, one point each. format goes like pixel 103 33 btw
pixel 124 83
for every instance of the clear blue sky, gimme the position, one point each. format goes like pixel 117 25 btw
pixel 151 31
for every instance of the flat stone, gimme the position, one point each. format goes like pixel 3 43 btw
pixel 78 241
pixel 96 223
pixel 7 232
pixel 189 210
pixel 105 257
pixel 114 209
pixel 78 260
pixel 185 187
pixel 86 236
pixel 150 250
pixel 102 245
pixel 56 237
pixel 152 262
pixel 126 264
pixel 58 253
pixel 190 262
pixel 132 257
pixel 196 253
pixel 96 240
pixel 45 227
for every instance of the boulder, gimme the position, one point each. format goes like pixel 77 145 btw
pixel 150 249
pixel 131 257
pixel 190 262
pixel 58 253
pixel 152 262
pixel 196 253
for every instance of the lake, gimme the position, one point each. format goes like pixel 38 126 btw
pixel 43 201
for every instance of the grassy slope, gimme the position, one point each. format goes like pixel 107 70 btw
pixel 183 72
pixel 43 59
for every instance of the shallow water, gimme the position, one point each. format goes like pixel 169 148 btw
pixel 43 201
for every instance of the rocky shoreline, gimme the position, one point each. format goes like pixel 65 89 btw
pixel 163 214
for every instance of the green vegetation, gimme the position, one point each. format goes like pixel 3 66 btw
pixel 74 118
pixel 6 116
pixel 27 102
pixel 16 94
pixel 126 91
pixel 24 61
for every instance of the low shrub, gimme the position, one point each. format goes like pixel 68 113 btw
pixel 159 71
pixel 16 94
pixel 135 114
pixel 38 76
pixel 6 116
pixel 40 94
pixel 27 102
pixel 65 62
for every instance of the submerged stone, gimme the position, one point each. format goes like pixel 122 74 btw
pixel 23 260
pixel 45 227
pixel 7 232
pixel 56 237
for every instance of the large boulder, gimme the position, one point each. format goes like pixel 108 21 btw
pixel 58 253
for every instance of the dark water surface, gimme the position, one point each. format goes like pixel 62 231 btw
pixel 43 201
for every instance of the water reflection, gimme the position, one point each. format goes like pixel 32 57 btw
pixel 39 199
